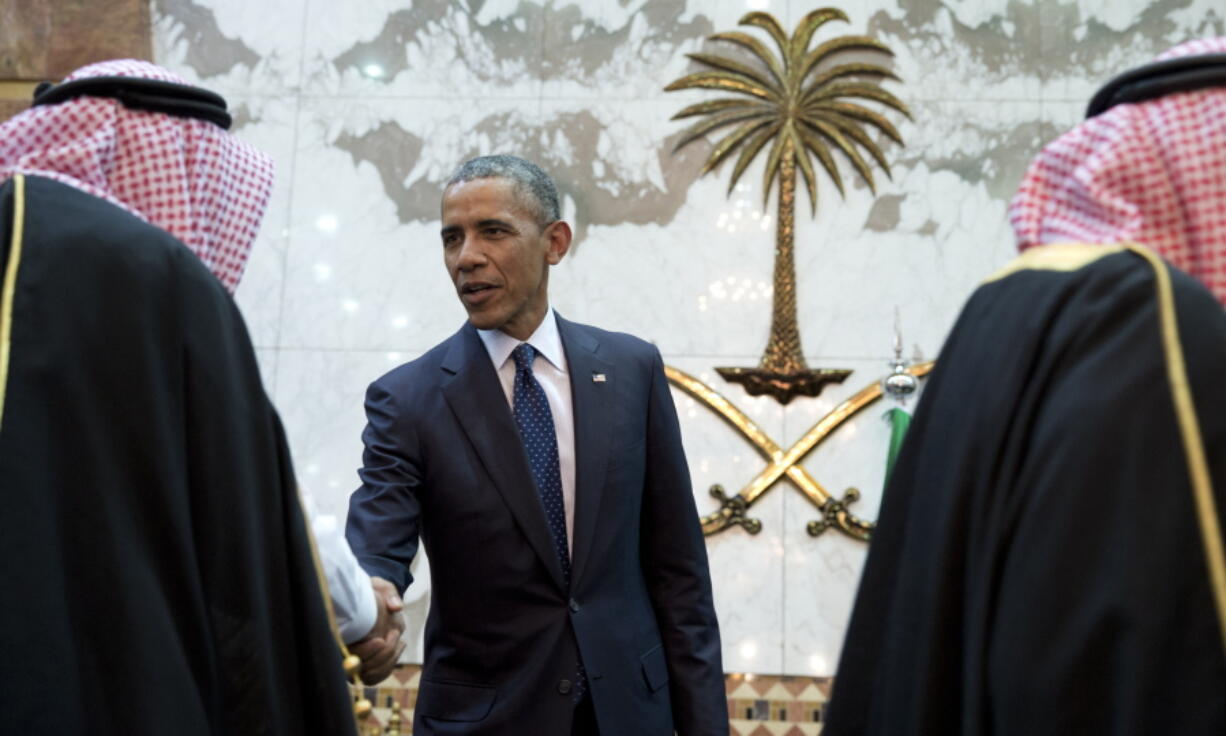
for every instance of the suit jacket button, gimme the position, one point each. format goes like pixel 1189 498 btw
pixel 574 606
pixel 564 686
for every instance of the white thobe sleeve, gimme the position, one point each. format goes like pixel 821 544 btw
pixel 353 600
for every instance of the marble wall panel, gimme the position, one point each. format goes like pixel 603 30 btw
pixel 325 429
pixel 822 573
pixel 233 47
pixel 425 50
pixel 1060 116
pixel 270 125
pixel 367 108
pixel 635 215
pixel 931 234
pixel 602 51
pixel 1086 42
pixel 325 434
pixel 977 50
pixel 267 360
pixel 365 267
pixel 747 569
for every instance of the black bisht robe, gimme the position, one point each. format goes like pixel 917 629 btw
pixel 155 568
pixel 1038 567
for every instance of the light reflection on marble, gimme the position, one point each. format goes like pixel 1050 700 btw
pixel 367 108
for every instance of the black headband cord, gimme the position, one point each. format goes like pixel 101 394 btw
pixel 152 95
pixel 1148 82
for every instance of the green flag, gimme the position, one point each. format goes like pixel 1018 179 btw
pixel 899 420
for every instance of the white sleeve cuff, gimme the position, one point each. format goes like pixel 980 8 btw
pixel 353 599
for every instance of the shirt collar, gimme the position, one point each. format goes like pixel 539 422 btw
pixel 545 340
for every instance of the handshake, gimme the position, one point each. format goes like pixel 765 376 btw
pixel 380 649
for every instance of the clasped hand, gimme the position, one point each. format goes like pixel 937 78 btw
pixel 381 648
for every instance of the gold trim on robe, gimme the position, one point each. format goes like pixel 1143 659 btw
pixel 1073 256
pixel 1189 429
pixel 1055 257
pixel 10 285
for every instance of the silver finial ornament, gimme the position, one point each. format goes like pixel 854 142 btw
pixel 899 384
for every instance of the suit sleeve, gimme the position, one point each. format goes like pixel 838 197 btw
pixel 384 513
pixel 675 567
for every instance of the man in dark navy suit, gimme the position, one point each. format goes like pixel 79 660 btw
pixel 540 461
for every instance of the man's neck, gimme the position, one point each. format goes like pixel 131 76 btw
pixel 521 333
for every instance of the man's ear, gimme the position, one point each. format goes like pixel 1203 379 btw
pixel 559 236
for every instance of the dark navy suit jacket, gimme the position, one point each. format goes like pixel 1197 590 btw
pixel 443 462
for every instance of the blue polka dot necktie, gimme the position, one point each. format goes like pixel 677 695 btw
pixel 535 424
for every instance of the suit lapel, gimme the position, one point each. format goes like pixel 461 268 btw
pixel 591 407
pixel 475 395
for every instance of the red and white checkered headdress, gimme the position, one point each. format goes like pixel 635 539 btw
pixel 1152 172
pixel 187 176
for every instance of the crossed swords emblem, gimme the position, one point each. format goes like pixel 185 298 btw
pixel 732 511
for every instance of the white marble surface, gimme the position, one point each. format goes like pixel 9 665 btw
pixel 266 359
pixel 748 570
pixel 269 124
pixel 356 277
pixel 233 47
pixel 366 108
pixel 325 428
pixel 822 572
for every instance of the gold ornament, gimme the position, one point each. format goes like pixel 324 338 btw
pixel 805 110
pixel 733 508
pixel 393 722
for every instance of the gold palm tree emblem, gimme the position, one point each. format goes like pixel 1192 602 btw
pixel 804 107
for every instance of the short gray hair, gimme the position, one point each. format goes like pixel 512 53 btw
pixel 531 184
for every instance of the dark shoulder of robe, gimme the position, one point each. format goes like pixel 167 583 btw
pixel 155 572
pixel 1038 567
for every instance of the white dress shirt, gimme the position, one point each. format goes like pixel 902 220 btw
pixel 353 600
pixel 551 372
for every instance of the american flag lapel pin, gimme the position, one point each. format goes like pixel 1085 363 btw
pixel 598 378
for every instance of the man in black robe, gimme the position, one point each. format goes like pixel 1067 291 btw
pixel 156 570
pixel 1048 558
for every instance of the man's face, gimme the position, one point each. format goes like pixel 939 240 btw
pixel 498 256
